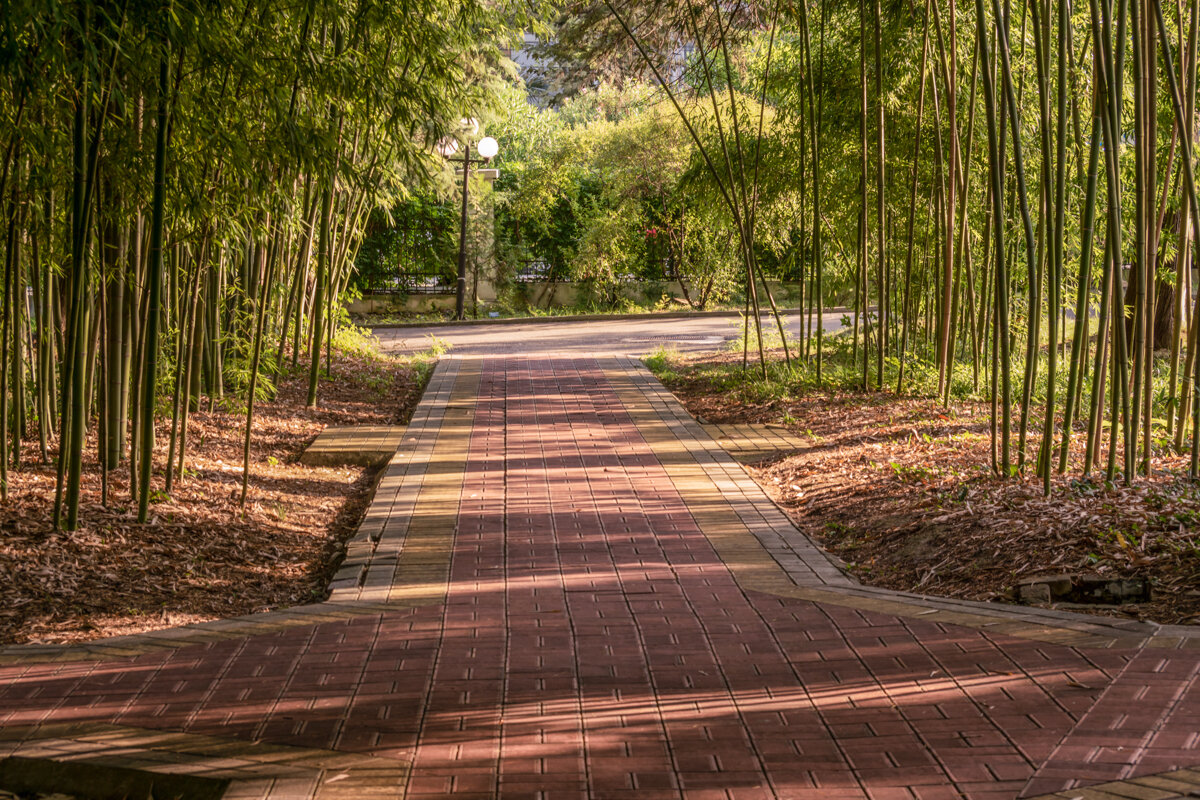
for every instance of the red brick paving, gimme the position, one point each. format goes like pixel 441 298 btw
pixel 593 644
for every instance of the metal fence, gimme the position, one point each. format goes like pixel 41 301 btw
pixel 413 253
pixel 409 282
pixel 535 270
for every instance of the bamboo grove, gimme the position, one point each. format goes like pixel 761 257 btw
pixel 183 188
pixel 1006 186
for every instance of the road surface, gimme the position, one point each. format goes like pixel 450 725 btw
pixel 618 335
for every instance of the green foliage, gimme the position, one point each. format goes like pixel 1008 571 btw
pixel 604 191
pixel 358 342
pixel 216 167
pixel 238 374
pixel 437 347
pixel 661 362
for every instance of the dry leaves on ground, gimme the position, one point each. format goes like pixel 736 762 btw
pixel 901 489
pixel 201 556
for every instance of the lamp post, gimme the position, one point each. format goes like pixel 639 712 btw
pixel 487 149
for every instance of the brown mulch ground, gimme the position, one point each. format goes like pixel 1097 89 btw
pixel 201 556
pixel 901 490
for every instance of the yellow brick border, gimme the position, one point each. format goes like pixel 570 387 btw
pixel 1160 786
pixel 399 558
pixel 766 553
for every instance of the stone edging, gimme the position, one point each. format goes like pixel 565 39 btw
pixel 362 586
pixel 803 570
pixel 1161 786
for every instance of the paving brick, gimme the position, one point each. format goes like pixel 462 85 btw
pixel 565 588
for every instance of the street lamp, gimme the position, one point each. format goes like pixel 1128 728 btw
pixel 487 149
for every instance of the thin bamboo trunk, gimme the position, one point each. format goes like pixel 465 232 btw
pixel 154 280
pixel 881 316
pixel 323 255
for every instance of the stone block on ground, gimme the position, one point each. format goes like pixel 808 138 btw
pixel 362 445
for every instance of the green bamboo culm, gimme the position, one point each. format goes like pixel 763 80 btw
pixel 154 279
pixel 70 461
pixel 259 321
pixel 1080 332
pixel 318 312
pixel 1000 335
pixel 6 314
pixel 912 203
pixel 1054 281
pixel 1190 191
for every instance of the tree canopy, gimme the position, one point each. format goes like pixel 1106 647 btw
pixel 184 186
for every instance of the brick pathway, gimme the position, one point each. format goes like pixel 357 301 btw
pixel 563 588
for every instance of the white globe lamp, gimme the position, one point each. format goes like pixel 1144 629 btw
pixel 488 147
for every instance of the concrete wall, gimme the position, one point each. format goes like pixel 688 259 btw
pixel 400 304
pixel 564 294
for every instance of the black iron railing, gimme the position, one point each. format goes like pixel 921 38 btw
pixel 409 282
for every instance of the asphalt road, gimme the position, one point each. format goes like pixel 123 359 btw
pixel 621 335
